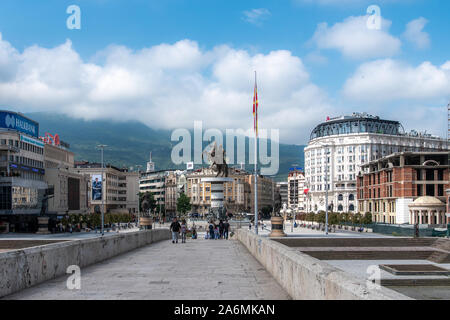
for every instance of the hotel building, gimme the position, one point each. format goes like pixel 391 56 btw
pixel 340 146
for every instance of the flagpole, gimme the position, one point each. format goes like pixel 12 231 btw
pixel 256 164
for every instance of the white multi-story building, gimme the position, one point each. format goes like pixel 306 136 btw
pixel 282 188
pixel 339 146
pixel 296 191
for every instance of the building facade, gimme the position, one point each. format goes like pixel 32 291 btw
pixel 266 193
pixel 388 186
pixel 296 191
pixel 69 189
pixel 236 193
pixel 448 206
pixel 155 182
pixel 282 189
pixel 22 183
pixel 175 185
pixel 339 147
pixel 117 188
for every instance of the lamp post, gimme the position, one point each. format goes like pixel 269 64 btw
pixel 138 166
pixel 326 184
pixel 290 212
pixel 102 147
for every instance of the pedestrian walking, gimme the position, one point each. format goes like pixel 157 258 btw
pixel 175 227
pixel 183 231
pixel 216 233
pixel 221 229
pixel 211 230
pixel 226 229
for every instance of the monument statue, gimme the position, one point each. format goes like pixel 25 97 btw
pixel 218 164
pixel 277 206
pixel 277 221
pixel 216 158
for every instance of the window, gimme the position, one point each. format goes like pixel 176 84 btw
pixel 351 197
pixel 351 207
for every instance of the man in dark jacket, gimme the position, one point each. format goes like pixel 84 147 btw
pixel 175 227
pixel 226 229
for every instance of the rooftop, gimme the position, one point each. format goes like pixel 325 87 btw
pixel 363 123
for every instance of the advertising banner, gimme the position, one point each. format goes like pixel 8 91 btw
pixel 97 187
pixel 12 120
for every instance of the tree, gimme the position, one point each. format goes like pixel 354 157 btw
pixel 183 204
pixel 147 201
pixel 367 219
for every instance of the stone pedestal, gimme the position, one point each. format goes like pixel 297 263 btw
pixel 217 202
pixel 42 225
pixel 277 228
pixel 146 223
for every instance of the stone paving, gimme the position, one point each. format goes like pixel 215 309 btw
pixel 198 270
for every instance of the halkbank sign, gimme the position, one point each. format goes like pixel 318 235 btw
pixel 15 121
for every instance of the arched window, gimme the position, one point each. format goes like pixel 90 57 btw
pixel 340 208
pixel 351 208
pixel 340 197
pixel 351 197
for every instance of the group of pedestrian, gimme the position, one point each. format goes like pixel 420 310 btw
pixel 220 231
pixel 178 229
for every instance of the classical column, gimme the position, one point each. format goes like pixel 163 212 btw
pixel 429 217
pixel 438 217
pixel 420 216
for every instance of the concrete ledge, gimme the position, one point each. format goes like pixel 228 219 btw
pixel 304 277
pixel 24 268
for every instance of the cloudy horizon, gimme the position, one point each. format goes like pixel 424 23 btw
pixel 171 84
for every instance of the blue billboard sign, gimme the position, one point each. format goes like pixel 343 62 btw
pixel 15 121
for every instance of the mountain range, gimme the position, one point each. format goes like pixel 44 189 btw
pixel 130 143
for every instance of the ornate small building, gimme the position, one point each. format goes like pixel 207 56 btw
pixel 427 210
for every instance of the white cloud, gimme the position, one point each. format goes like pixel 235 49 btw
pixel 415 95
pixel 256 16
pixel 354 40
pixel 392 80
pixel 414 33
pixel 165 86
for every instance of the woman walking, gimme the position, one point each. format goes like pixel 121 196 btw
pixel 183 231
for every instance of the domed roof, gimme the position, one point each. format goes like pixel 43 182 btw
pixel 427 200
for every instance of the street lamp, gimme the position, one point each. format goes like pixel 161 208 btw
pixel 102 147
pixel 326 184
pixel 138 166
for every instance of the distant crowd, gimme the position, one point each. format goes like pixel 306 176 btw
pixel 214 231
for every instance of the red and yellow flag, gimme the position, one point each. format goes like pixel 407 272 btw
pixel 255 109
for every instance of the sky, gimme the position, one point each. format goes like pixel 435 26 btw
pixel 170 63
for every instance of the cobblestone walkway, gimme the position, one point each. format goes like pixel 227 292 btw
pixel 198 270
